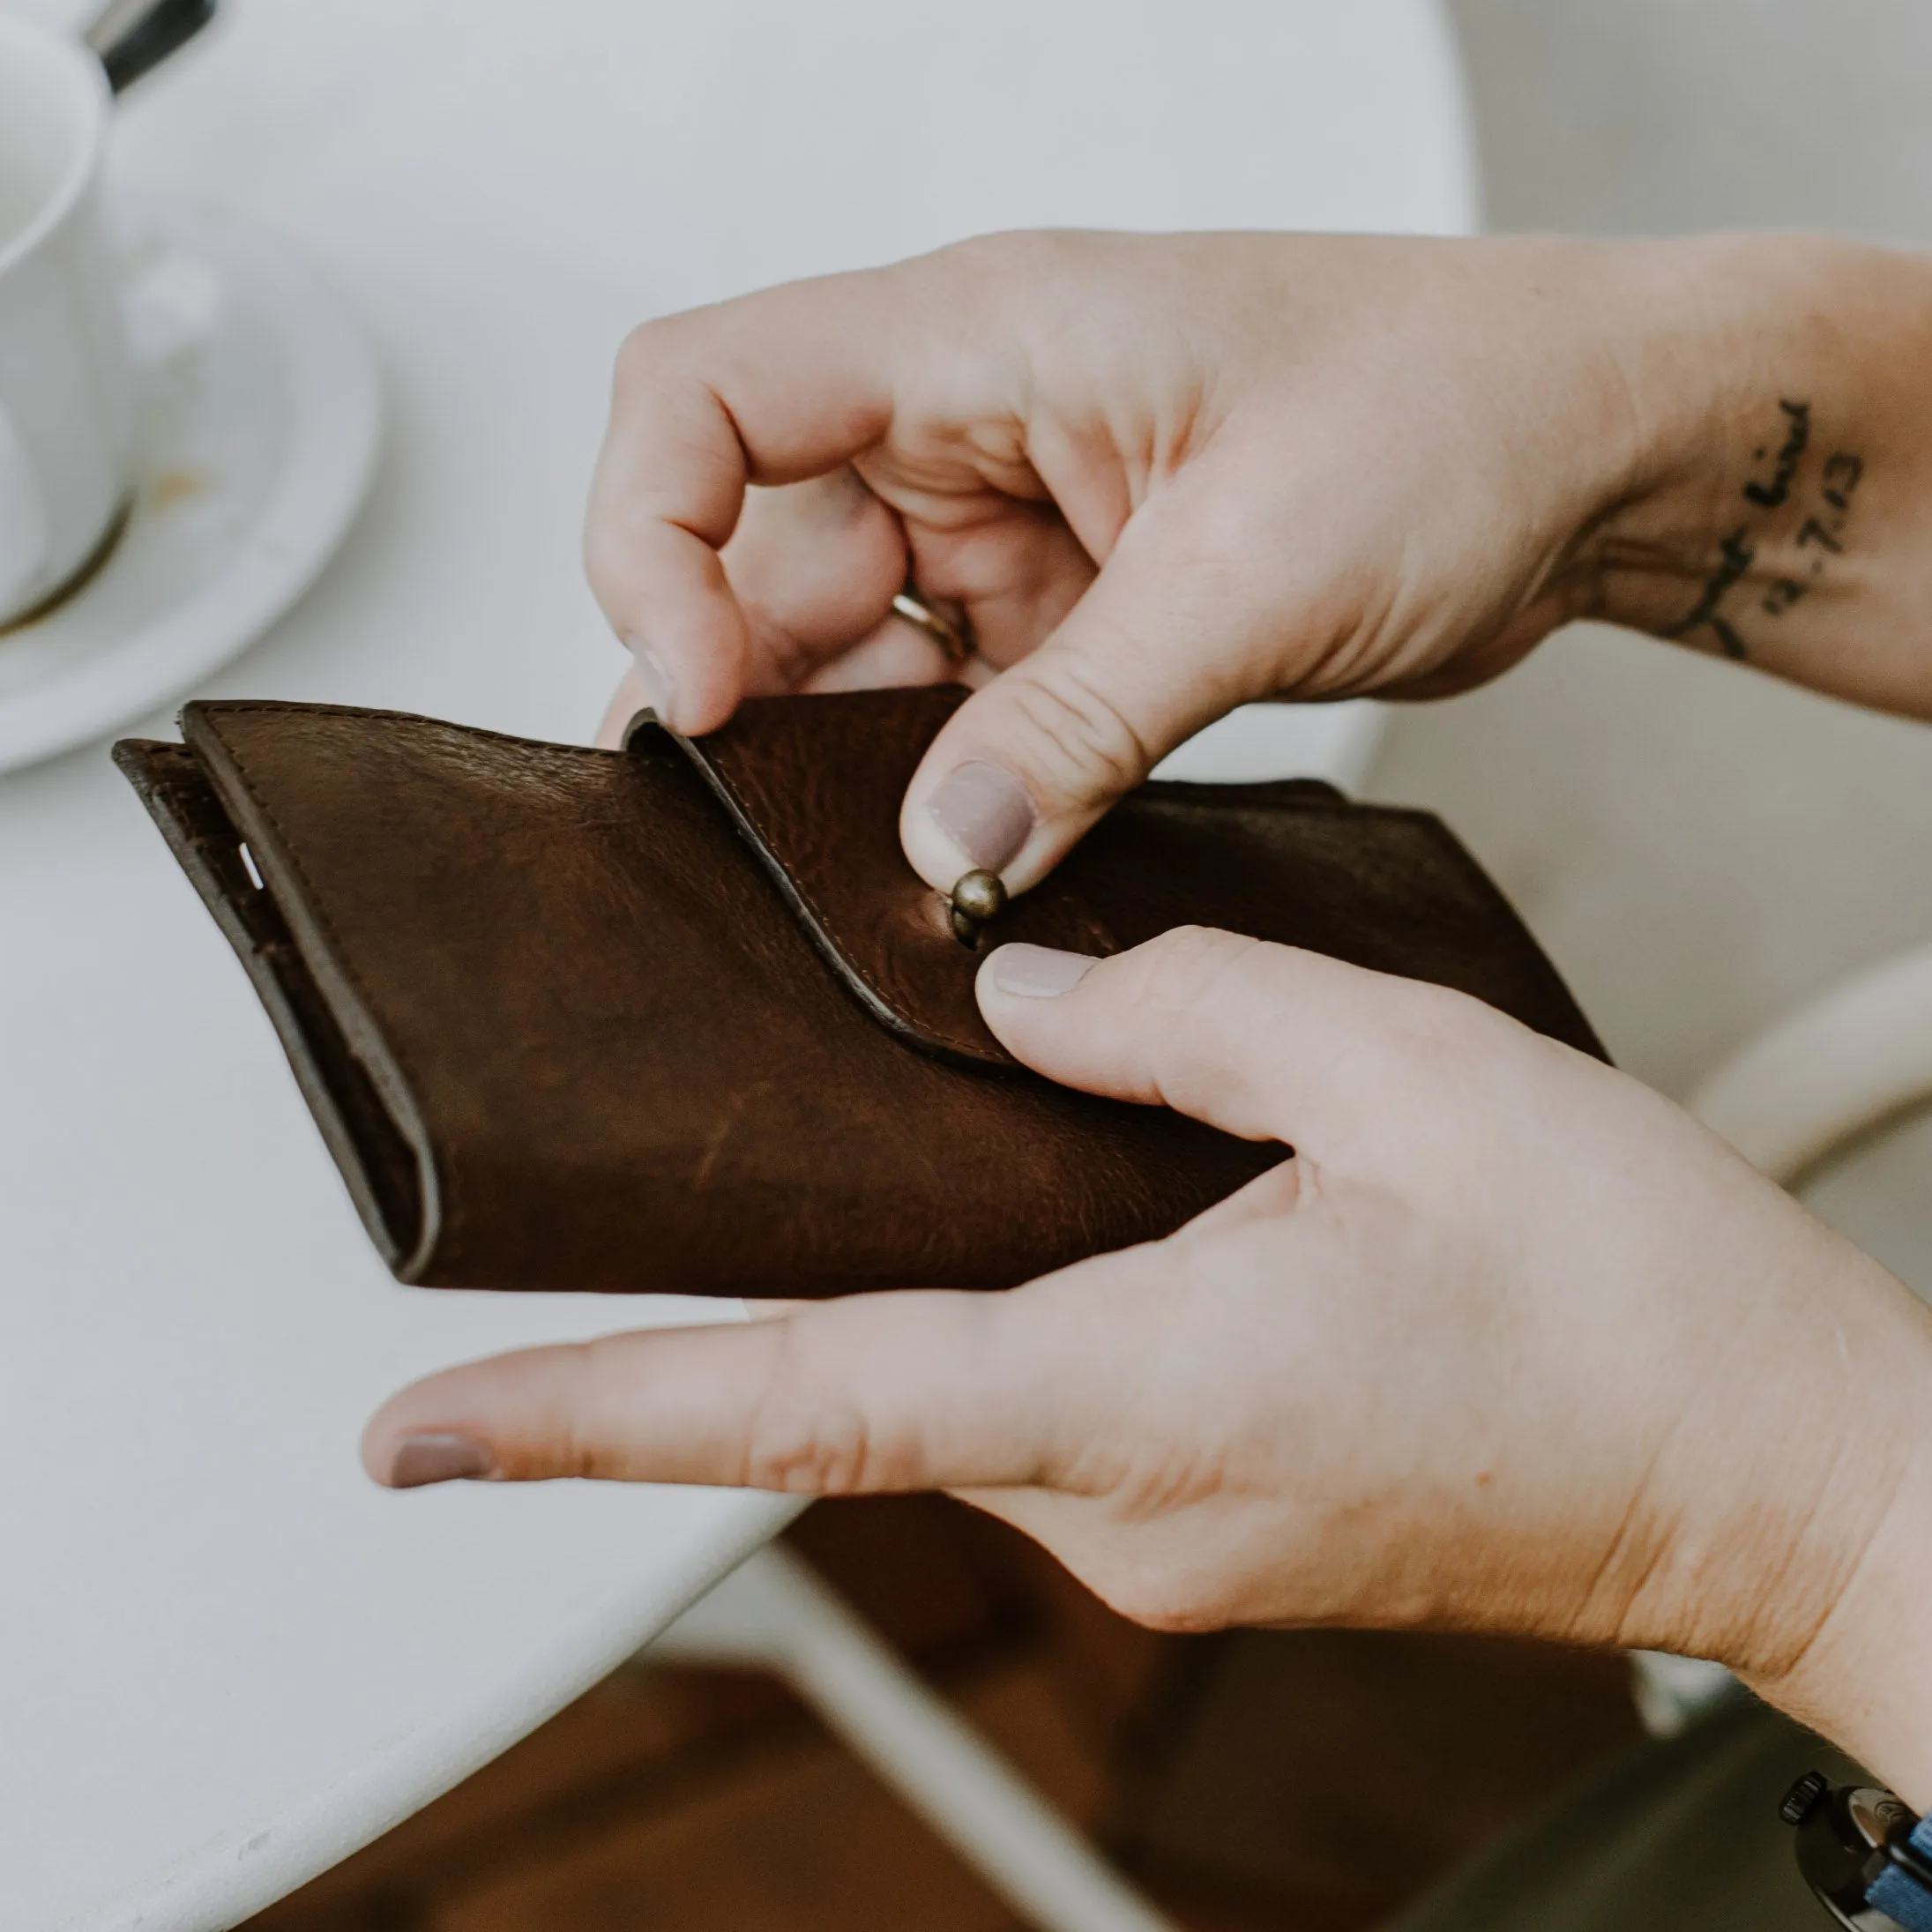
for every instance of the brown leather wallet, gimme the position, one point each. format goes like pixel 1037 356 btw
pixel 682 1018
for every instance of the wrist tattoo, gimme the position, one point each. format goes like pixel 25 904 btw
pixel 1797 437
pixel 1823 511
pixel 1736 557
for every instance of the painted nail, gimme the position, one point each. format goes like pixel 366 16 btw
pixel 659 685
pixel 1040 973
pixel 984 809
pixel 420 1459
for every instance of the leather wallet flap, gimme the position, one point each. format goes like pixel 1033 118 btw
pixel 815 787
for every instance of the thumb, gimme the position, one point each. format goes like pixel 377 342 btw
pixel 876 1393
pixel 1265 1041
pixel 1170 636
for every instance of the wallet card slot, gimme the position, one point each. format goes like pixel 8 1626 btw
pixel 381 1168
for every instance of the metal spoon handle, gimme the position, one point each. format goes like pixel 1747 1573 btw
pixel 131 36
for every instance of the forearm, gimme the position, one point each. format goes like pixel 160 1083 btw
pixel 1778 510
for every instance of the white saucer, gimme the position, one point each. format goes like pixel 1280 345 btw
pixel 263 421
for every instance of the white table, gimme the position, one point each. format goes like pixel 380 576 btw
pixel 225 1660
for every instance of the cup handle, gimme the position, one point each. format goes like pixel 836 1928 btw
pixel 24 532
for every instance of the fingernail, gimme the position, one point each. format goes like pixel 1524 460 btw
pixel 660 686
pixel 985 812
pixel 1040 973
pixel 419 1459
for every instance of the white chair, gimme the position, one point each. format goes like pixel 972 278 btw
pixel 772 1613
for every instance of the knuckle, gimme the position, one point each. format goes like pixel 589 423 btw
pixel 574 1446
pixel 799 1440
pixel 1190 1004
pixel 644 355
pixel 1187 967
pixel 1029 289
pixel 820 1453
pixel 1024 256
pixel 1444 1025
pixel 1160 1601
pixel 1437 1046
pixel 607 554
pixel 1176 1620
pixel 1089 747
pixel 577 1455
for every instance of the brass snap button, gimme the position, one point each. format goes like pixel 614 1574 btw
pixel 977 897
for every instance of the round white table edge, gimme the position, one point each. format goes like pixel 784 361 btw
pixel 245 1870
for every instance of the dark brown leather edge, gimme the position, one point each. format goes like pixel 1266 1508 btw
pixel 721 759
pixel 390 1180
pixel 824 828
pixel 207 804
pixel 267 769
pixel 1562 1019
pixel 793 891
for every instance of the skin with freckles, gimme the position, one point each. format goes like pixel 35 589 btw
pixel 1510 1344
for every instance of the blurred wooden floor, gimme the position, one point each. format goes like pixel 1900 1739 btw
pixel 1248 1780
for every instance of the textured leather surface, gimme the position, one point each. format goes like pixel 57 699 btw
pixel 827 828
pixel 561 1029
pixel 817 791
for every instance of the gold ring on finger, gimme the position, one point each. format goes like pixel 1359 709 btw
pixel 947 635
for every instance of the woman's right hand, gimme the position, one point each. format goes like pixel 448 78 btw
pixel 1160 476
pixel 1510 1344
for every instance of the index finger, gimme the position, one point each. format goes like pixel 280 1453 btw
pixel 773 387
pixel 896 1391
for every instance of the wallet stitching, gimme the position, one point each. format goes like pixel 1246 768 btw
pixel 452 1220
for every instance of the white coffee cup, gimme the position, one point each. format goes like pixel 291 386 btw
pixel 67 389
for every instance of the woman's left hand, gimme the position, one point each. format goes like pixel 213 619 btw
pixel 1510 1344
